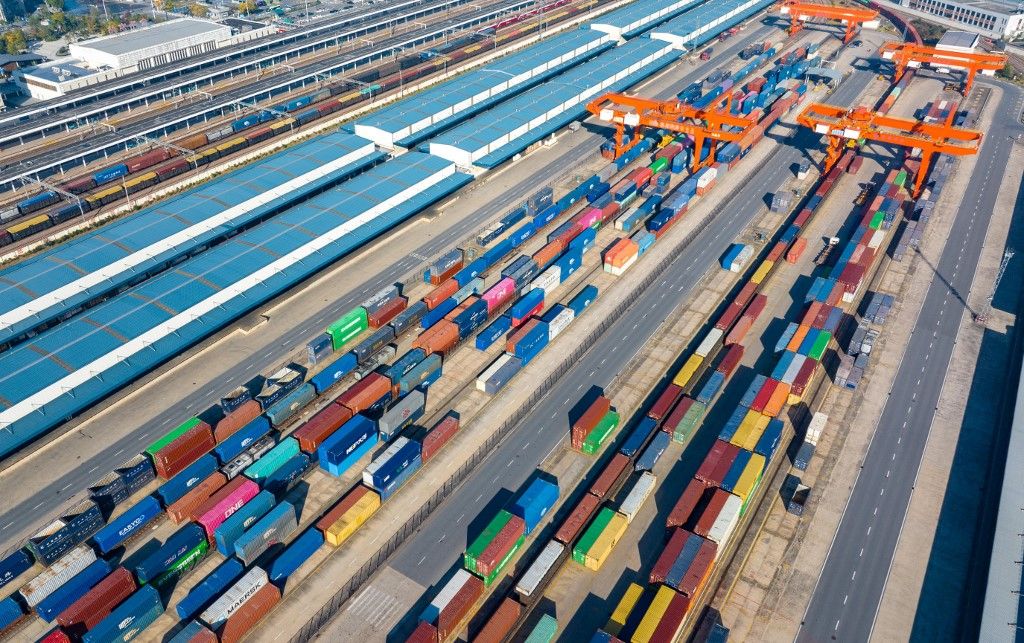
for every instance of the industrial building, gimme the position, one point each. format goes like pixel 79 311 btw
pixel 994 18
pixel 156 45
pixel 56 78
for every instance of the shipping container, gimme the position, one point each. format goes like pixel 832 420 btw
pixel 57 574
pixel 127 525
pixel 579 517
pixel 342 520
pixel 268 531
pixel 638 495
pixel 339 451
pixel 129 619
pixel 535 502
pixel 539 569
pixel 184 509
pixel 501 622
pixel 210 588
pixel 176 550
pixel 14 565
pixel 452 603
pixel 294 555
pixel 244 517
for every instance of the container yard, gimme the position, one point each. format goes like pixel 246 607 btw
pixel 582 320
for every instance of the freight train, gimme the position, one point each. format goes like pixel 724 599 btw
pixel 229 139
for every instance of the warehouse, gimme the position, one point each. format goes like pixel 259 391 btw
pixel 151 46
pixel 635 18
pixel 993 18
pixel 54 78
pixel 696 27
pixel 414 119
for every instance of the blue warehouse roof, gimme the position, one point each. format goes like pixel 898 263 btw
pixel 416 118
pixel 637 17
pixel 48 285
pixel 496 135
pixel 68 367
pixel 696 27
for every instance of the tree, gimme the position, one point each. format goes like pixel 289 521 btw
pixel 113 25
pixel 198 11
pixel 164 5
pixel 15 41
pixel 55 5
pixel 247 6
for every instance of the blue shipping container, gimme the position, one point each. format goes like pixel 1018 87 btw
pixel 769 440
pixel 404 364
pixel 290 404
pixel 61 598
pixel 127 525
pixel 732 424
pixel 341 366
pixel 535 502
pixel 525 304
pixel 179 543
pixel 736 470
pixel 493 332
pixel 346 445
pixel 426 373
pixel 15 565
pixel 242 439
pixel 583 299
pixel 653 452
pixel 229 530
pixel 299 551
pixel 193 474
pixel 129 619
pixel 288 475
pixel 210 588
pixel 637 438
pixel 10 612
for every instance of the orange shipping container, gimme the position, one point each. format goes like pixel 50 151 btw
pixel 439 338
pixel 182 509
pixel 236 420
pixel 510 345
pixel 500 623
pixel 249 614
pixel 365 393
pixel 621 252
pixel 341 508
pixel 549 253
pixel 442 292
pixel 739 331
pixel 798 337
pixel 777 400
pixel 798 249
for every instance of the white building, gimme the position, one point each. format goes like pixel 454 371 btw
pixel 993 18
pixel 56 78
pixel 151 46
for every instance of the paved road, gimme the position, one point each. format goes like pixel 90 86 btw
pixel 845 601
pixel 20 519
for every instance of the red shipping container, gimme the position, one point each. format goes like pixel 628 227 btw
pixel 503 541
pixel 438 279
pixel 851 277
pixel 764 395
pixel 746 293
pixel 611 474
pixel 803 377
pixel 668 555
pixel 578 519
pixel 438 436
pixel 707 467
pixel 776 251
pixel 424 633
pixel 365 393
pixel 439 294
pixel 802 218
pixel 822 316
pixel 893 192
pixel 582 427
pixel 513 339
pixel 183 508
pixel 341 508
pixel 249 614
pixel 798 248
pixel 148 159
pixel 519 321
pixel 700 569
pixel 676 416
pixel 500 623
pixel 835 295
pixel 710 514
pixel 319 427
pixel 671 621
pixel 665 402
pixel 757 306
pixel 739 331
pixel 729 316
pixel 811 313
pixel 85 613
pixel 858 251
pixel 855 165
pixel 687 504
pixel 756 84
pixel 458 310
pixel 56 635
pixel 548 253
pixel 387 312
pixel 723 464
pixel 609 211
pixel 731 360
pixel 183 451
pixel 236 419
pixel 204 635
pixel 458 608
pixel 439 338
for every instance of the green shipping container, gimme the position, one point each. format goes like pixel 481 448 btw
pixel 171 436
pixel 901 178
pixel 188 560
pixel 272 460
pixel 659 165
pixel 544 631
pixel 477 547
pixel 753 492
pixel 689 422
pixel 601 431
pixel 348 327
pixel 493 576
pixel 586 541
pixel 820 344
pixel 876 220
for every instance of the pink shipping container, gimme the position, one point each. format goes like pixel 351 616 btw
pixel 498 295
pixel 589 218
pixel 739 331
pixel 228 505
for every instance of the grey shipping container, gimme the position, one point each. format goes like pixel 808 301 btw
pixel 380 299
pixel 378 340
pixel 268 531
pixel 408 318
pixel 235 596
pixel 59 573
pixel 405 412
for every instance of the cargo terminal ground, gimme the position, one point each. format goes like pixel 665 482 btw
pixel 611 290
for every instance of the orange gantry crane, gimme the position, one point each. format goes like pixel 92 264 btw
pixel 850 17
pixel 842 124
pixel 672 115
pixel 904 55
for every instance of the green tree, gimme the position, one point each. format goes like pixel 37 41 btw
pixel 55 5
pixel 247 7
pixel 198 10
pixel 113 25
pixel 15 41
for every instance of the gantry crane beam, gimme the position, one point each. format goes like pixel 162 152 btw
pixel 904 55
pixel 860 123
pixel 672 115
pixel 851 17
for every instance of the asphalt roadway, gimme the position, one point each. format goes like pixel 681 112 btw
pixel 19 520
pixel 426 557
pixel 845 601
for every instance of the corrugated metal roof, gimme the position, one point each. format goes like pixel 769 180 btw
pixel 414 119
pixel 164 32
pixel 640 16
pixel 64 369
pixel 499 133
pixel 45 286
pixel 706 21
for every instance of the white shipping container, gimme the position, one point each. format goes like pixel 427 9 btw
pixel 638 495
pixel 547 281
pixel 707 178
pixel 445 596
pixel 794 368
pixel 712 338
pixel 877 237
pixel 481 380
pixel 560 323
pixel 381 460
pixel 234 597
pixel 57 574
pixel 726 522
pixel 741 259
pixel 618 271
pixel 816 428
pixel 539 569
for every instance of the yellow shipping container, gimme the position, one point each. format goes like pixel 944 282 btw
pixel 25 225
pixel 141 179
pixel 624 609
pixel 686 373
pixel 748 479
pixel 352 519
pixel 756 433
pixel 747 426
pixel 762 271
pixel 649 623
pixel 794 399
pixel 605 543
